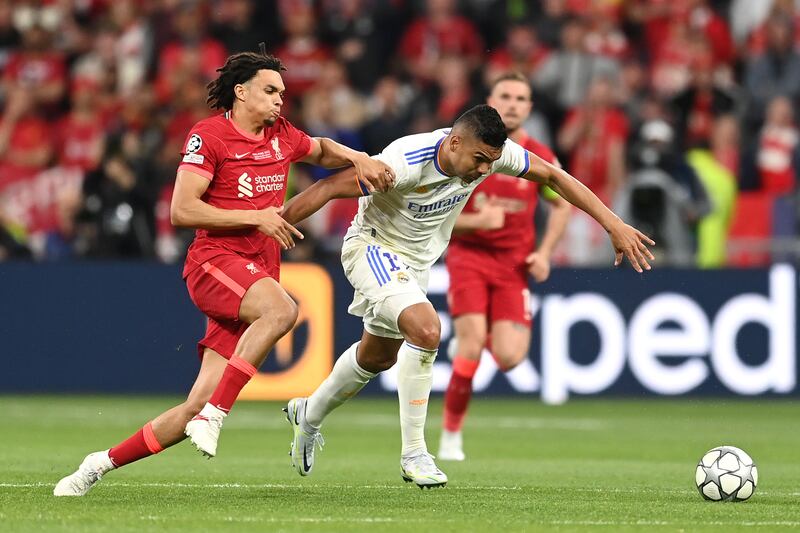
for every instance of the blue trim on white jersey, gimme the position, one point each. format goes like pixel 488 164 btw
pixel 527 164
pixel 436 159
pixel 418 151
pixel 423 160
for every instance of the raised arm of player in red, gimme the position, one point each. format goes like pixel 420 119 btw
pixel 341 185
pixel 372 173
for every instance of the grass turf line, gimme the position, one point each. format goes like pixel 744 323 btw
pixel 610 465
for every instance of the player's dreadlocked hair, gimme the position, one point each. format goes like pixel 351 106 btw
pixel 238 68
pixel 485 123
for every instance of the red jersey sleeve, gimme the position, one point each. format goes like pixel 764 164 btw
pixel 299 141
pixel 203 151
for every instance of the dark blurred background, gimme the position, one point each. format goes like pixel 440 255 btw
pixel 679 114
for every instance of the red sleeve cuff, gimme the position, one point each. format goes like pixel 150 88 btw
pixel 197 170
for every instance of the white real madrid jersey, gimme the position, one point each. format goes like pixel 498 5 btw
pixel 416 217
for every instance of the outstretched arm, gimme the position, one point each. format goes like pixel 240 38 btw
pixel 344 184
pixel 625 239
pixel 372 173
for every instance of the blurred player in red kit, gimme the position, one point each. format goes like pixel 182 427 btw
pixel 489 259
pixel 230 187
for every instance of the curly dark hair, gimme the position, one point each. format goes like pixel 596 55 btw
pixel 485 124
pixel 238 68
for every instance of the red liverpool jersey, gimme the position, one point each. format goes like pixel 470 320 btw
pixel 518 197
pixel 246 172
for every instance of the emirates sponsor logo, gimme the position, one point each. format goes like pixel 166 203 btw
pixel 245 186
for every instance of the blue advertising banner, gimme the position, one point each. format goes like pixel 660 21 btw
pixel 131 328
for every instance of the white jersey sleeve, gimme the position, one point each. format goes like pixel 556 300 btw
pixel 394 156
pixel 514 160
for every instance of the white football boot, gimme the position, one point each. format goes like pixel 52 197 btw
pixel 421 469
pixel 86 476
pixel 203 429
pixel 304 439
pixel 450 446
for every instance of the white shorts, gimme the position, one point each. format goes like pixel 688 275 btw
pixel 384 285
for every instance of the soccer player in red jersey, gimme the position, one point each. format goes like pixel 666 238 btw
pixel 230 187
pixel 489 259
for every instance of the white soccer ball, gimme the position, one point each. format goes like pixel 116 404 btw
pixel 726 473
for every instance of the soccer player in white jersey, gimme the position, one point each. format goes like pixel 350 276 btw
pixel 387 253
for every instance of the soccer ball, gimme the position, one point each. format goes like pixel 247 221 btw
pixel 726 473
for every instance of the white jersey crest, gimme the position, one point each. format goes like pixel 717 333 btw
pixel 417 216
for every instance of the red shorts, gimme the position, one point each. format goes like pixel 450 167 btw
pixel 217 287
pixel 494 284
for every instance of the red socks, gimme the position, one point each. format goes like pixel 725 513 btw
pixel 141 444
pixel 459 391
pixel 236 375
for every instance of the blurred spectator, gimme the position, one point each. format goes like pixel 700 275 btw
pixel 133 46
pixel 36 68
pixel 701 17
pixel 663 196
pixel 9 36
pixel 772 164
pixel 522 52
pixel 363 34
pixel 594 134
pixel 302 53
pixel 452 95
pixel 550 21
pixel 567 72
pixel 712 231
pixel 80 134
pixel 389 109
pixel 440 32
pixel 236 26
pixel 333 109
pixel 776 71
pixel 24 137
pixel 605 36
pixel 191 51
pixel 700 104
pixel 785 9
pixel 12 244
pixel 116 218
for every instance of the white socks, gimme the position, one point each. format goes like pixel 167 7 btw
pixel 414 379
pixel 344 382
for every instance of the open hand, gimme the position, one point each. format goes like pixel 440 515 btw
pixel 271 223
pixel 631 243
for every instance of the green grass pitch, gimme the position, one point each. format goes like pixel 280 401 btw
pixel 610 465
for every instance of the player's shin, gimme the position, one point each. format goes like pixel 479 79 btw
pixel 414 379
pixel 344 382
pixel 237 374
pixel 459 392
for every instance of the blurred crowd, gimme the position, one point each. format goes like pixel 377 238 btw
pixel 679 114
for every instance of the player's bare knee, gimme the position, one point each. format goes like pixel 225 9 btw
pixel 425 336
pixel 508 361
pixel 285 316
